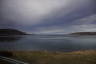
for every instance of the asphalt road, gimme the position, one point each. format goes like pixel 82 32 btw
pixel 5 60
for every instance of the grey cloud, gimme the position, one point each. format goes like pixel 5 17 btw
pixel 80 25
pixel 33 11
pixel 86 20
pixel 29 14
pixel 29 11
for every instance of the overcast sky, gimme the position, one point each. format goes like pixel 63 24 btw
pixel 48 16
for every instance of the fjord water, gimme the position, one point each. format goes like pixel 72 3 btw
pixel 47 42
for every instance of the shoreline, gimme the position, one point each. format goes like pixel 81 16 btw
pixel 45 57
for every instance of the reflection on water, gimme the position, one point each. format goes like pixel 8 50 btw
pixel 45 42
pixel 9 38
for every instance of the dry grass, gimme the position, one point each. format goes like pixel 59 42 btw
pixel 37 57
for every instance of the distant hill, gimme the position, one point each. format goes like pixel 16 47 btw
pixel 11 32
pixel 83 33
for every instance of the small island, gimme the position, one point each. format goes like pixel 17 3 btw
pixel 83 33
pixel 8 32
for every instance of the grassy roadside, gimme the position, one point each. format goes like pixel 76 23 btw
pixel 37 57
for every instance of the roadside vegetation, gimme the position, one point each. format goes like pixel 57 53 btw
pixel 38 57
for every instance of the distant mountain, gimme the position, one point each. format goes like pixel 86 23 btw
pixel 11 32
pixel 83 33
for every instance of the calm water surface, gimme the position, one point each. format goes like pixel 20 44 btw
pixel 45 42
